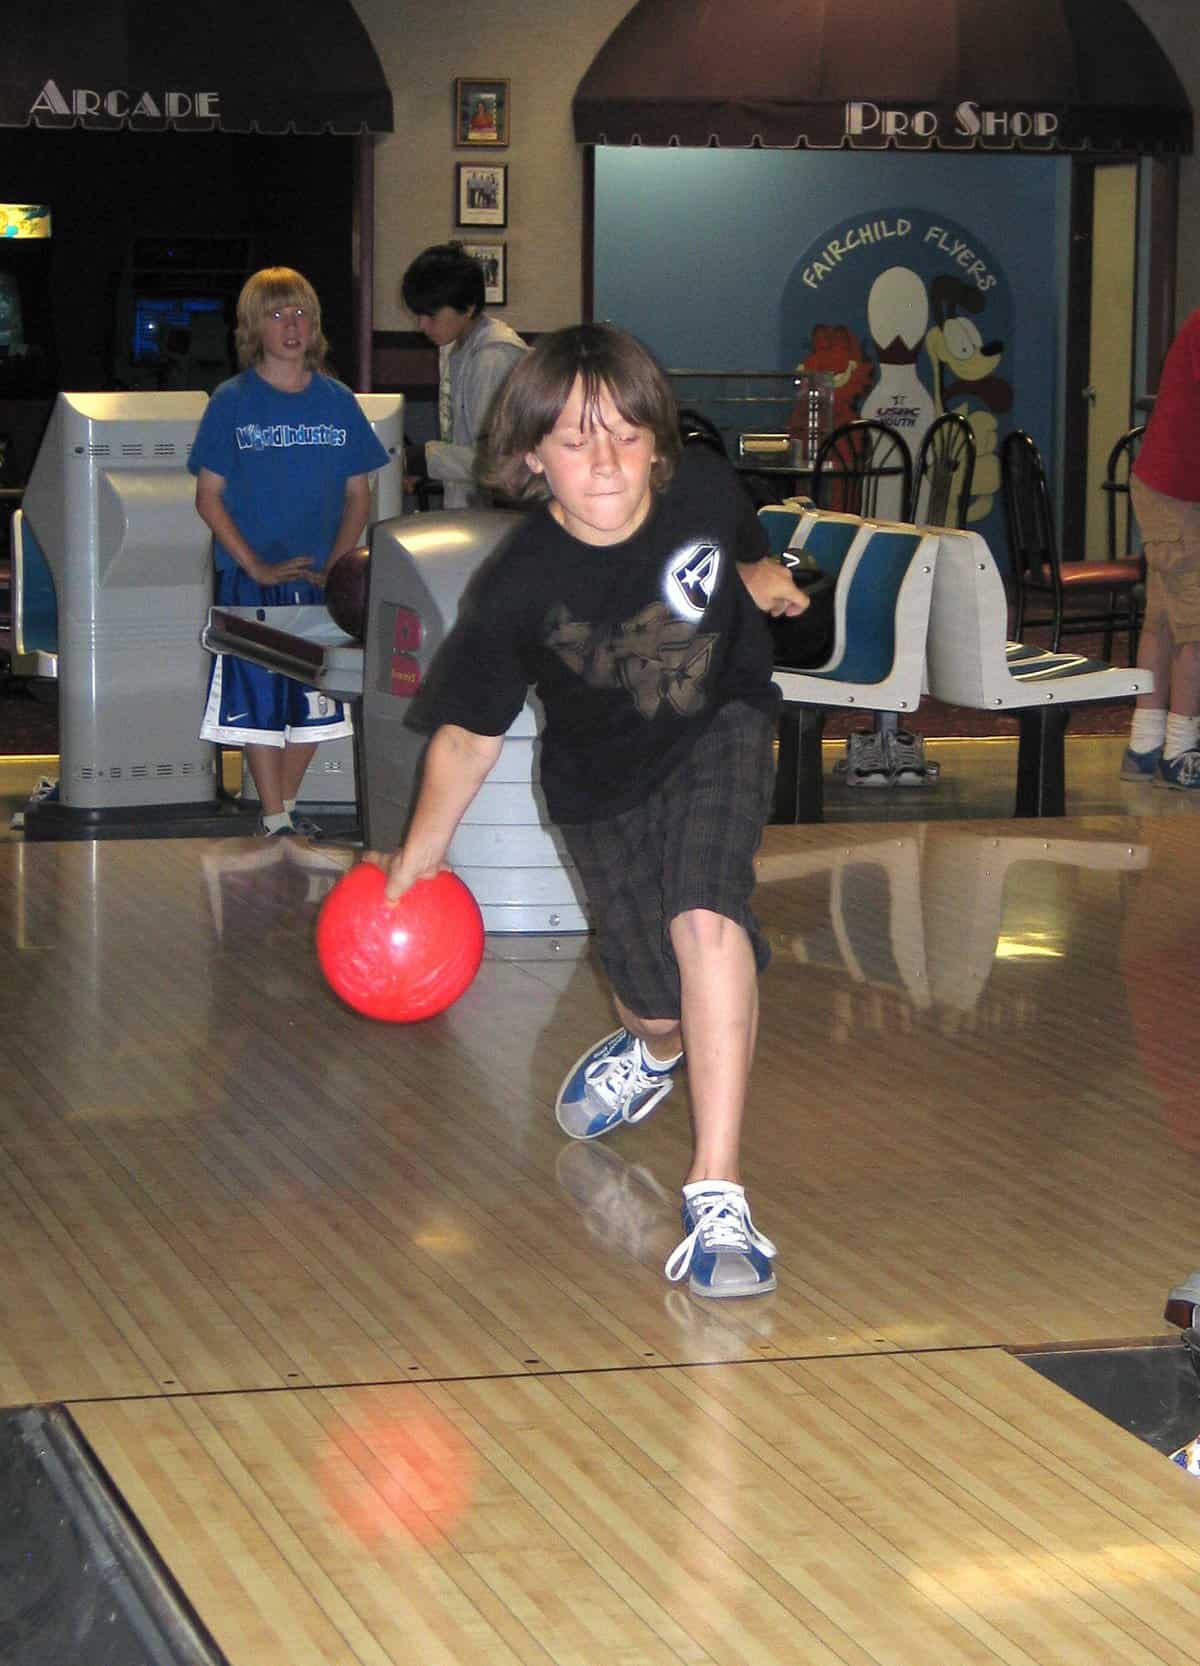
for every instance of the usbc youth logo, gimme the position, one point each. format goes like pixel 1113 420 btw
pixel 692 578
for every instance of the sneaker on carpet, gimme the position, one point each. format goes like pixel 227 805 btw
pixel 1181 773
pixel 905 754
pixel 1140 766
pixel 610 1084
pixel 723 1254
pixel 867 759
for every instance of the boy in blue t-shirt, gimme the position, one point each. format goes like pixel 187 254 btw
pixel 282 462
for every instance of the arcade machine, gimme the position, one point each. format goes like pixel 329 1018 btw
pixel 28 372
pixel 109 505
pixel 114 583
pixel 505 849
pixel 27 356
pixel 174 311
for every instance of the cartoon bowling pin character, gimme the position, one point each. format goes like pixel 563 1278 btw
pixel 898 316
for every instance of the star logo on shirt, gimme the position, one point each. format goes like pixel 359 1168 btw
pixel 691 578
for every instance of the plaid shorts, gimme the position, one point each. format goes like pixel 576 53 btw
pixel 690 845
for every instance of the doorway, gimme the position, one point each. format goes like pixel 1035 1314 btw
pixel 1108 393
pixel 1120 320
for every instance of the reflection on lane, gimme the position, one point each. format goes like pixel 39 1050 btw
pixel 928 912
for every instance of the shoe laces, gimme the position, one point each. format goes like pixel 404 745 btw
pixel 722 1223
pixel 618 1079
pixel 1186 767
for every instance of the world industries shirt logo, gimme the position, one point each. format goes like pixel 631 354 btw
pixel 256 436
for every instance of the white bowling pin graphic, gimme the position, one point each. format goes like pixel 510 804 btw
pixel 898 315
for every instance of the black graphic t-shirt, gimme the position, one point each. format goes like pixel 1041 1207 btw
pixel 631 647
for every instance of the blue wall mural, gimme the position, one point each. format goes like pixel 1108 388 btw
pixel 912 315
pixel 734 260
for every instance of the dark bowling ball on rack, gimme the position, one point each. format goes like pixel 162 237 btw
pixel 346 586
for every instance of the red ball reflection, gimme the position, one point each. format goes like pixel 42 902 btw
pixel 407 1474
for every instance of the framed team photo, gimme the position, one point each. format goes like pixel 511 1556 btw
pixel 493 257
pixel 482 193
pixel 480 112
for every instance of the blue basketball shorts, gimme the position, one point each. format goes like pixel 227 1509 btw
pixel 251 706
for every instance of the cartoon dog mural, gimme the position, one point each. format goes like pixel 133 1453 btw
pixel 963 370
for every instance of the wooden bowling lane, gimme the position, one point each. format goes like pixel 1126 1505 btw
pixel 969 1126
pixel 893 1509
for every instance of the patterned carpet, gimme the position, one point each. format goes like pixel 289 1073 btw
pixel 28 723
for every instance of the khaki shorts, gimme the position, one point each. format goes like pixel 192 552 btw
pixel 1170 530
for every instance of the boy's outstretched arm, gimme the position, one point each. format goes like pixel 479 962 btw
pixel 457 763
pixel 772 588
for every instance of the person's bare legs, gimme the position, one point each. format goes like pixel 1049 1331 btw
pixel 719 985
pixel 1155 652
pixel 277 772
pixel 719 988
pixel 662 1037
pixel 1184 680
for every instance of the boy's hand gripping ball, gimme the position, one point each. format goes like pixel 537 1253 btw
pixel 399 961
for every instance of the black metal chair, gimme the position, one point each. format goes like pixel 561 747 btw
pixel 1116 489
pixel 1038 571
pixel 944 472
pixel 864 468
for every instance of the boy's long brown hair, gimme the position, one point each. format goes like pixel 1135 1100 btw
pixel 531 401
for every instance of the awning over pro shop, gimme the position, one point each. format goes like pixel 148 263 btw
pixel 1078 76
pixel 231 66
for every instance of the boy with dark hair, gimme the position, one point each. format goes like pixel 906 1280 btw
pixel 620 601
pixel 444 290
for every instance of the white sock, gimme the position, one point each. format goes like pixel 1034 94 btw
pixel 695 1187
pixel 274 823
pixel 658 1065
pixel 289 805
pixel 1148 730
pixel 1182 734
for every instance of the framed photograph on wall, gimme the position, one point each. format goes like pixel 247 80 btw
pixel 493 257
pixel 480 112
pixel 482 193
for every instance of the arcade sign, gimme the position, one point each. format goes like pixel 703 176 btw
pixel 968 124
pixel 120 104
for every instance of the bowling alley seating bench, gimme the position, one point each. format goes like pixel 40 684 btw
pixel 882 574
pixel 923 610
pixel 971 662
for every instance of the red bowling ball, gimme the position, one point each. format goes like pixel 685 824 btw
pixel 400 961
